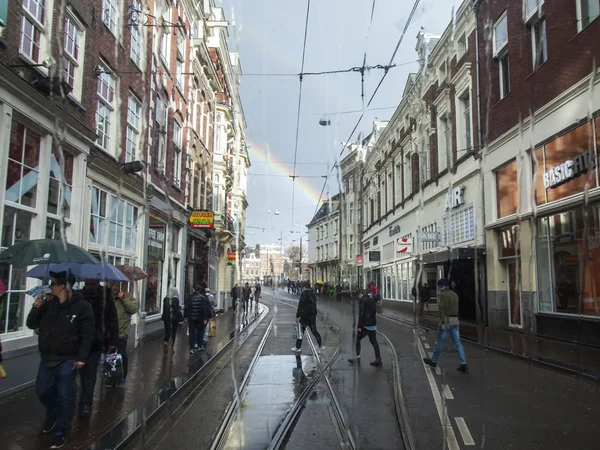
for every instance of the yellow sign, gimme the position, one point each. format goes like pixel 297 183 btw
pixel 202 219
pixel 231 256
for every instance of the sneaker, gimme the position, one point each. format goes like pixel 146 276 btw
pixel 296 350
pixel 192 351
pixel 430 362
pixel 49 424
pixel 463 368
pixel 84 411
pixel 58 441
pixel 201 348
pixel 377 363
pixel 354 360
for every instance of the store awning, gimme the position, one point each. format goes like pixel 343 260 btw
pixel 453 254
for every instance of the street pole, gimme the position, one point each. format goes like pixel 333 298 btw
pixel 281 258
pixel 301 272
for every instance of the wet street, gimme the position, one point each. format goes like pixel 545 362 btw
pixel 317 399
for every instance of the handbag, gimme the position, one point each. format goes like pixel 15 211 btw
pixel 297 331
pixel 113 367
pixel 212 328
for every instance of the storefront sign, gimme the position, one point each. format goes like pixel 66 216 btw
pixel 307 268
pixel 375 256
pixel 156 243
pixel 202 219
pixel 430 236
pixel 359 259
pixel 572 168
pixel 455 197
pixel 403 245
pixel 367 245
pixel 394 230
pixel 231 256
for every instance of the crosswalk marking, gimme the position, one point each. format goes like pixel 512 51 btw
pixel 438 371
pixel 447 392
pixel 426 345
pixel 464 431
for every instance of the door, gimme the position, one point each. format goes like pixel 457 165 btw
pixel 515 318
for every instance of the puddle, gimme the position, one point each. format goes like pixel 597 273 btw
pixel 276 382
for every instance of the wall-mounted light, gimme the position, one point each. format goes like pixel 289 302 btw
pixel 133 167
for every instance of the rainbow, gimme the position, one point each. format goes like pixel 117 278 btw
pixel 275 166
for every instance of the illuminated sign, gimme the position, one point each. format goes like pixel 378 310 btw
pixel 571 168
pixel 202 219
pixel 231 257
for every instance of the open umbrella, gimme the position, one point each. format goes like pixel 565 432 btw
pixel 133 273
pixel 102 272
pixel 45 251
pixel 320 282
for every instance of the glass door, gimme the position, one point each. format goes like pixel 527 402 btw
pixel 515 316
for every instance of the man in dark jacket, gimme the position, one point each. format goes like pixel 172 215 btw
pixel 306 315
pixel 246 293
pixel 106 339
pixel 367 326
pixel 197 314
pixel 235 295
pixel 66 334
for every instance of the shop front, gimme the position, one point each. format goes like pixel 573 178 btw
pixel 200 226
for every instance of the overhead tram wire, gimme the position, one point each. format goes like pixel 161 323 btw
pixel 299 104
pixel 408 21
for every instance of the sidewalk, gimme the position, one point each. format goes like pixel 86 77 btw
pixel 563 355
pixel 151 375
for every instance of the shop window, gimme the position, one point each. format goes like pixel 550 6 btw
pixel 507 190
pixel 23 166
pixel 60 186
pixel 16 228
pixel 459 226
pixel 568 251
pixel 576 144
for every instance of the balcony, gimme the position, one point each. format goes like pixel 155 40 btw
pixel 224 229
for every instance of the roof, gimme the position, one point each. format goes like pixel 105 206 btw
pixel 325 209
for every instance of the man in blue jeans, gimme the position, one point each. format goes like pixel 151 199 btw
pixel 448 305
pixel 66 333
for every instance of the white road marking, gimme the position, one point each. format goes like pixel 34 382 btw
pixel 430 354
pixel 438 371
pixel 426 345
pixel 423 338
pixel 447 392
pixel 440 405
pixel 464 431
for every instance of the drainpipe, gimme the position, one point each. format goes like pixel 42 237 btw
pixel 481 318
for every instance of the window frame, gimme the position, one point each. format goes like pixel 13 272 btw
pixel 538 30
pixel 134 117
pixel 107 102
pixel 498 50
pixel 135 52
pixel 580 19
pixel 111 7
pixel 37 20
pixel 74 61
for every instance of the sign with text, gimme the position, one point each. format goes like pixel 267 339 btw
pixel 403 245
pixel 359 259
pixel 374 256
pixel 571 168
pixel 156 243
pixel 202 219
pixel 394 230
pixel 231 257
pixel 455 197
pixel 430 236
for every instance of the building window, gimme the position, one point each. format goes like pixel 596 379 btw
pixel 587 12
pixel 351 183
pixel 161 115
pixel 165 36
pixel 464 138
pixel 73 47
pixel 180 69
pixel 539 45
pixel 389 195
pixel 500 34
pixel 504 76
pixel 507 190
pixel 407 175
pixel 326 230
pixel 177 148
pixel 99 217
pixel 60 185
pixel 351 214
pixel 335 227
pixel 105 112
pixel 34 16
pixel 217 199
pixel 461 46
pixel 109 14
pixel 459 226
pixel 135 52
pixel 398 184
pixel 16 228
pixel 134 110
pixel 23 166
pixel 442 73
pixel 122 222
pixel 444 143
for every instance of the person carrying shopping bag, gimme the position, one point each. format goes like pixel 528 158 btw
pixel 171 317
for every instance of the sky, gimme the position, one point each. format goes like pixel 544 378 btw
pixel 269 36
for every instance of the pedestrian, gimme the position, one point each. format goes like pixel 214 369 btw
pixel 306 316
pixel 171 317
pixel 257 291
pixel 246 293
pixel 213 306
pixel 196 314
pixel 106 323
pixel 424 297
pixel 448 306
pixel 235 295
pixel 66 332
pixel 367 326
pixel 127 306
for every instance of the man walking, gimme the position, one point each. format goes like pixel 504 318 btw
pixel 306 315
pixel 106 339
pixel 367 326
pixel 448 305
pixel 197 313
pixel 66 332
pixel 235 295
pixel 127 306
pixel 257 291
pixel 246 293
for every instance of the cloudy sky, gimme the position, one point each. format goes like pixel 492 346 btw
pixel 269 35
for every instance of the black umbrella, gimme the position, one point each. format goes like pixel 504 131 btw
pixel 45 251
